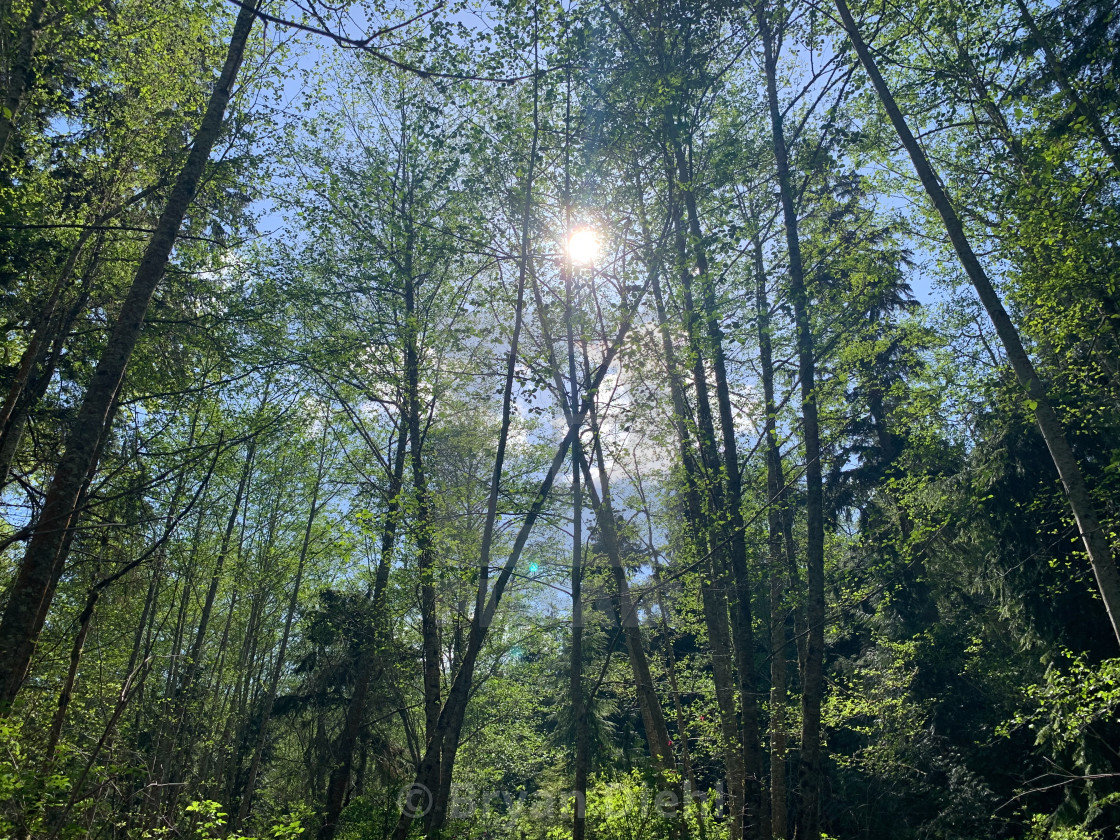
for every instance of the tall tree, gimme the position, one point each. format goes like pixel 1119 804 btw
pixel 30 596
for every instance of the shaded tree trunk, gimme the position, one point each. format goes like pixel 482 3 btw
pixel 575 662
pixel 446 741
pixel 778 579
pixel 22 72
pixel 657 732
pixel 439 758
pixel 713 601
pixel 429 626
pixel 1054 65
pixel 736 540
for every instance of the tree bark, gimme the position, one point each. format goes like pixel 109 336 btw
pixel 653 718
pixel 737 546
pixel 429 626
pixel 575 662
pixel 33 589
pixel 1090 115
pixel 39 358
pixel 451 716
pixel 19 80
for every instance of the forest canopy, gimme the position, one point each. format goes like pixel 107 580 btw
pixel 547 419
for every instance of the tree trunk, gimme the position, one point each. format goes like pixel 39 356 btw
pixel 1090 115
pixel 33 589
pixel 442 759
pixel 1093 536
pixel 19 79
pixel 713 601
pixel 194 658
pixel 429 626
pixel 39 358
pixel 575 662
pixel 451 716
pixel 812 680
pixel 246 798
pixel 371 652
pixel 657 732
pixel 737 545
pixel 779 583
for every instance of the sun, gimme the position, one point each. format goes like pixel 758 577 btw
pixel 583 246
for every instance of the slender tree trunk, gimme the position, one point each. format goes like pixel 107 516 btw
pixel 84 621
pixel 712 598
pixel 22 72
pixel 429 626
pixel 194 658
pixel 371 652
pixel 775 484
pixel 441 757
pixel 796 587
pixel 737 545
pixel 33 589
pixel 451 716
pixel 812 680
pixel 1090 115
pixel 246 797
pixel 37 364
pixel 657 732
pixel 575 662
pixel 1093 536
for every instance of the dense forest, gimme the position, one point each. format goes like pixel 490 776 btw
pixel 547 419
